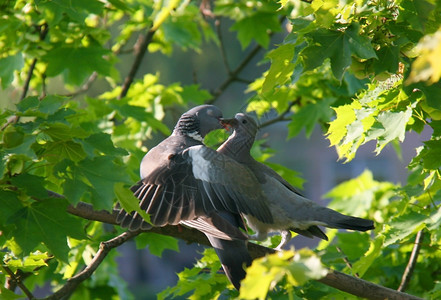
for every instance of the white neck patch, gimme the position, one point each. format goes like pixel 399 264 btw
pixel 196 136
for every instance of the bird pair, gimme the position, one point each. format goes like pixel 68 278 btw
pixel 185 182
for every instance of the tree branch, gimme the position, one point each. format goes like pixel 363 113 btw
pixel 14 281
pixel 338 280
pixel 363 288
pixel 44 28
pixel 105 248
pixel 85 87
pixel 407 275
pixel 233 74
pixel 281 117
pixel 217 23
pixel 141 47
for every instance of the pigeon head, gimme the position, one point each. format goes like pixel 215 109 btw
pixel 240 142
pixel 242 125
pixel 199 121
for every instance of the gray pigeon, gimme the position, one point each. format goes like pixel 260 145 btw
pixel 290 210
pixel 185 182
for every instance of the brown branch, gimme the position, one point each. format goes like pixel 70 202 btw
pixel 14 281
pixel 338 280
pixel 44 28
pixel 233 74
pixel 282 116
pixel 141 47
pixel 105 247
pixel 407 275
pixel 85 87
pixel 217 23
pixel 363 288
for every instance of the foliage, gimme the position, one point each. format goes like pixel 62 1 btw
pixel 362 70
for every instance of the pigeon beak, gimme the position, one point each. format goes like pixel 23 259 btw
pixel 229 124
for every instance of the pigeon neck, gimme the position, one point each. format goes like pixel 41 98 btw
pixel 238 147
pixel 188 126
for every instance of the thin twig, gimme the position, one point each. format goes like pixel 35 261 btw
pixel 233 74
pixel 105 247
pixel 28 79
pixel 282 116
pixel 217 23
pixel 85 87
pixel 43 86
pixel 143 42
pixel 44 28
pixel 347 262
pixel 407 275
pixel 17 282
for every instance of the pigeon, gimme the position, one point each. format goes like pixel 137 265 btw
pixel 185 182
pixel 291 211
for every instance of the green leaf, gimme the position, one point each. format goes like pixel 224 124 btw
pixel 355 196
pixel 102 142
pixel 33 185
pixel 431 154
pixel 128 201
pixel 8 66
pixel 366 261
pixel 403 226
pixel 156 243
pixel 338 46
pixel 29 263
pixel 184 33
pixel 308 117
pixel 102 173
pixel 62 132
pixel 256 26
pixel 297 267
pixel 387 60
pixel 164 13
pixel 47 222
pixel 281 67
pixel 416 13
pixel 394 127
pixel 10 205
pixel 28 103
pixel 64 150
pixel 65 59
pixel 193 93
pixel 6 294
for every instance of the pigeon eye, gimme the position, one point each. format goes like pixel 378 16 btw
pixel 244 121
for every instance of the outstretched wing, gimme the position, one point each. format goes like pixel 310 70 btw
pixel 195 183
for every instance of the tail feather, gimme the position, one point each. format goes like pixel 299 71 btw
pixel 311 232
pixel 234 256
pixel 353 223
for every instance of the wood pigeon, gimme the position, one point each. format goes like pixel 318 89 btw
pixel 185 182
pixel 290 210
